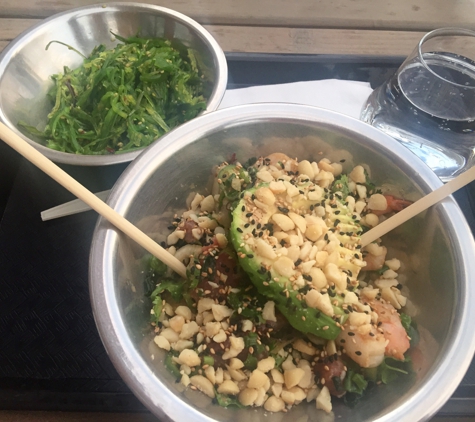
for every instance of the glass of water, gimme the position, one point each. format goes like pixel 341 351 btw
pixel 429 104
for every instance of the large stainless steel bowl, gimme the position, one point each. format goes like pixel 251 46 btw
pixel 437 246
pixel 25 66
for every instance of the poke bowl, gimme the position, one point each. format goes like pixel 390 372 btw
pixel 299 340
pixel 95 85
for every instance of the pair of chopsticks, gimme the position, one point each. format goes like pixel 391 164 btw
pixel 64 179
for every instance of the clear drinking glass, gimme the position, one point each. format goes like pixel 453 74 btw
pixel 429 104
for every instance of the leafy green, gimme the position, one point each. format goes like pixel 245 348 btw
pixel 154 269
pixel 341 185
pixel 279 360
pixel 355 385
pixel 227 187
pixel 123 98
pixel 251 340
pixel 157 306
pixel 236 301
pixel 355 382
pixel 228 401
pixel 175 288
pixel 411 329
pixel 172 366
pixel 250 362
pixel 208 360
pixel 406 321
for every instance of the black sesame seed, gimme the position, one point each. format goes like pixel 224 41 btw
pixel 337 212
pixel 246 225
pixel 358 353
pixel 342 340
pixel 259 225
pixel 298 262
pixel 239 229
pixel 307 277
pixel 342 161
pixel 243 208
pixel 250 255
pixel 283 210
pixel 249 214
pixel 351 334
pixel 336 222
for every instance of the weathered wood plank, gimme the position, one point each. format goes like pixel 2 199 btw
pixel 314 41
pixel 249 39
pixel 416 15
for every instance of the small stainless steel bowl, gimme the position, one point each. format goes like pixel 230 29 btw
pixel 25 66
pixel 437 246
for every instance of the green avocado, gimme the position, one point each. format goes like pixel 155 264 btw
pixel 252 222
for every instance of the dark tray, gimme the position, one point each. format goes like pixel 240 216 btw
pixel 51 356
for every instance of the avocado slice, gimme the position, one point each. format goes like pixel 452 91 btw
pixel 275 225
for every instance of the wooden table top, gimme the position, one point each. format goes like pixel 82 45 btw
pixel 355 27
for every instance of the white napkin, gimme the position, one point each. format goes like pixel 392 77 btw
pixel 346 97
